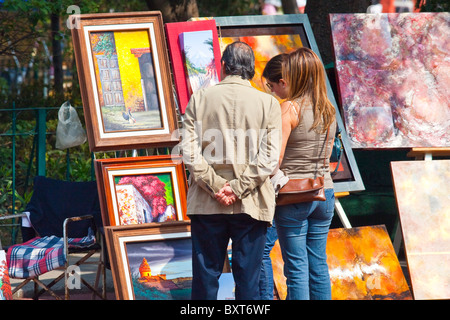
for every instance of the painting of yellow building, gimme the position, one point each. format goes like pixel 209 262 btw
pixel 126 81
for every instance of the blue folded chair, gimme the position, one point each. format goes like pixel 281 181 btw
pixel 66 221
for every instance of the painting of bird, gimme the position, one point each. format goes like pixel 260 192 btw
pixel 128 117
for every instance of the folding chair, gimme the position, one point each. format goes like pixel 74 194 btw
pixel 65 220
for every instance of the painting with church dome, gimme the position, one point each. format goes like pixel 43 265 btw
pixel 161 270
pixel 151 261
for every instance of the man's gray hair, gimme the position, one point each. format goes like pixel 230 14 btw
pixel 239 60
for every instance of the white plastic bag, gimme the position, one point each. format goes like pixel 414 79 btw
pixel 69 132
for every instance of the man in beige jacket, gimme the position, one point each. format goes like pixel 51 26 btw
pixel 231 144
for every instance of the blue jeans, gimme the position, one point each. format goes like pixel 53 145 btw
pixel 210 235
pixel 303 231
pixel 266 278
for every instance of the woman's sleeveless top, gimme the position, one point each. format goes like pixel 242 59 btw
pixel 305 150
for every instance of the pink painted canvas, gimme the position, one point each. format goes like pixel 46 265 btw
pixel 422 190
pixel 5 285
pixel 393 75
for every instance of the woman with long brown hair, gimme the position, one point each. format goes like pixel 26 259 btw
pixel 309 127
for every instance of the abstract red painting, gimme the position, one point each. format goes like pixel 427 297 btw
pixel 393 75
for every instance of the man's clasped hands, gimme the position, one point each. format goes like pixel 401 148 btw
pixel 226 196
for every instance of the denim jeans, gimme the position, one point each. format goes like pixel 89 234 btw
pixel 266 278
pixel 303 231
pixel 210 235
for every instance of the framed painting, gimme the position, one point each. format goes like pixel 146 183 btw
pixel 226 287
pixel 141 190
pixel 271 35
pixel 422 193
pixel 279 279
pixel 393 78
pixel 5 284
pixel 363 265
pixel 152 261
pixel 125 80
pixel 195 55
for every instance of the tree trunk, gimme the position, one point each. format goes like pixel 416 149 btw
pixel 174 10
pixel 57 58
pixel 290 6
pixel 318 14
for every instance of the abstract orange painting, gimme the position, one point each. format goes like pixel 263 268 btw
pixel 278 275
pixel 265 47
pixel 362 264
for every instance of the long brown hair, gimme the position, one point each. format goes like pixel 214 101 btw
pixel 304 73
pixel 273 71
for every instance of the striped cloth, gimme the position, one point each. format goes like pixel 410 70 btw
pixel 40 255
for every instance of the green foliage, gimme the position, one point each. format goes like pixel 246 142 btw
pixel 228 8
pixel 436 6
pixel 74 166
pixel 39 10
pixel 191 67
pixel 106 44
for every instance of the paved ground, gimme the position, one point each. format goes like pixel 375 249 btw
pixel 88 272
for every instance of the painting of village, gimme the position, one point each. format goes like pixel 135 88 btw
pixel 145 198
pixel 126 80
pixel 161 270
pixel 198 51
